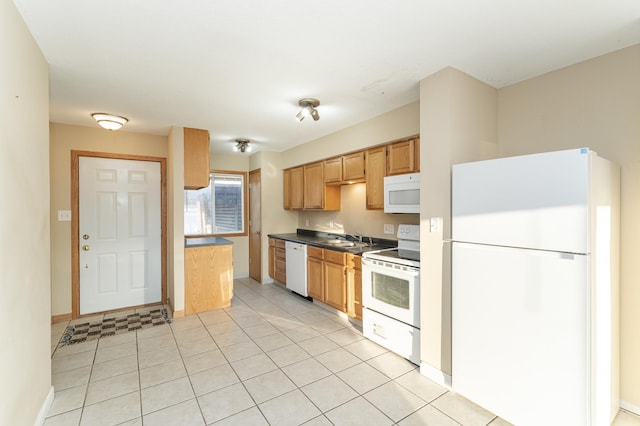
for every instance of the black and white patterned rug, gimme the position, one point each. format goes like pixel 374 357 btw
pixel 84 332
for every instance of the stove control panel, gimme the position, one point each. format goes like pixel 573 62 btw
pixel 409 232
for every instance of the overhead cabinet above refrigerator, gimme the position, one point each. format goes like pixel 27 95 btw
pixel 535 287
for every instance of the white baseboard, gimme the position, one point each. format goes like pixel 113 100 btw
pixel 44 409
pixel 626 406
pixel 435 375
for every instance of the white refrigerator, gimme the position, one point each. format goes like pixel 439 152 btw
pixel 535 287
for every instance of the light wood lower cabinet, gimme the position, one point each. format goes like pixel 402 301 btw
pixel 278 260
pixel 333 279
pixel 208 278
pixel 354 287
pixel 315 273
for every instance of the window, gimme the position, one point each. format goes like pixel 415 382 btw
pixel 218 209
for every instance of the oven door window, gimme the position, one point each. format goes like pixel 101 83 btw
pixel 391 290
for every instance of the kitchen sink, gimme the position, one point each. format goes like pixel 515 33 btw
pixel 350 244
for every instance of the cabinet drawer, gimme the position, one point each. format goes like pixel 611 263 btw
pixel 281 243
pixel 357 262
pixel 272 242
pixel 316 252
pixel 335 256
pixel 281 254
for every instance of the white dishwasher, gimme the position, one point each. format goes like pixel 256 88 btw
pixel 297 267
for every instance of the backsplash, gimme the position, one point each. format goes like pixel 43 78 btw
pixel 354 217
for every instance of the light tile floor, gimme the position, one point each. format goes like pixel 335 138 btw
pixel 272 358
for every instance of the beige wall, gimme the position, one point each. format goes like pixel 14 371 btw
pixel 63 139
pixel 354 217
pixel 593 104
pixel 25 274
pixel 396 124
pixel 275 219
pixel 175 220
pixel 458 123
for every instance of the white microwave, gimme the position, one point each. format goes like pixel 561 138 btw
pixel 402 193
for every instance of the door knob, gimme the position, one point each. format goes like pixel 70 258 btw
pixel 86 247
pixel 85 237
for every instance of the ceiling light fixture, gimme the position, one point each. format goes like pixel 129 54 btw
pixel 108 121
pixel 242 145
pixel 309 106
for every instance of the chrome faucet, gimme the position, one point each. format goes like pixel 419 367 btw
pixel 361 238
pixel 357 236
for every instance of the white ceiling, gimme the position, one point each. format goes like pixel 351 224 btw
pixel 238 67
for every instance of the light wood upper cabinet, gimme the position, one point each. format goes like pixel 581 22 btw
pixel 348 168
pixel 313 186
pixel 402 157
pixel 297 188
pixel 317 195
pixel 286 189
pixel 376 167
pixel 353 166
pixel 333 170
pixel 196 158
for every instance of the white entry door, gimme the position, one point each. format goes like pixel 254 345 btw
pixel 120 233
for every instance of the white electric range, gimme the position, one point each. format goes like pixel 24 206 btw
pixel 391 295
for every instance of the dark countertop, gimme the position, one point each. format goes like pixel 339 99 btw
pixel 319 239
pixel 206 241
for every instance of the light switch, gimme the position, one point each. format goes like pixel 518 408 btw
pixel 435 224
pixel 64 215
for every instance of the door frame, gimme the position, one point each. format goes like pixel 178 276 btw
pixel 75 220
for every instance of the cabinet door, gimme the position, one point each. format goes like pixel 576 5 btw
pixel 335 286
pixel 286 189
pixel 281 261
pixel 313 186
pixel 353 166
pixel 333 170
pixel 196 158
pixel 402 157
pixel 315 278
pixel 272 258
pixel 208 280
pixel 354 286
pixel 357 287
pixel 376 164
pixel 297 188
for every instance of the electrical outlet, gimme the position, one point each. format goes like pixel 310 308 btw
pixel 64 215
pixel 388 228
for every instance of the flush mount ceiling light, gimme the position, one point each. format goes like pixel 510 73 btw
pixel 309 106
pixel 242 145
pixel 108 121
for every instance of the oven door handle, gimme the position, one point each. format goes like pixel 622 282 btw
pixel 372 265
